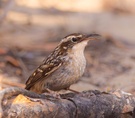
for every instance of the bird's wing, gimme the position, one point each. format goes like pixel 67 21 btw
pixel 42 72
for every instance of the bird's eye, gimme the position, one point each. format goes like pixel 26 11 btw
pixel 74 39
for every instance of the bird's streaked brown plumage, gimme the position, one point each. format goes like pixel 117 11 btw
pixel 63 67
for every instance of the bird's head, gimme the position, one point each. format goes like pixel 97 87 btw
pixel 76 41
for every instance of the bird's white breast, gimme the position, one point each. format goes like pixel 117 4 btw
pixel 78 58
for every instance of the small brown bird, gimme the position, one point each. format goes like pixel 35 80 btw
pixel 63 67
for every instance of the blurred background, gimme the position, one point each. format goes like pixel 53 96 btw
pixel 31 29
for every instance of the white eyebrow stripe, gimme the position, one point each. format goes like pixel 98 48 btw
pixel 75 36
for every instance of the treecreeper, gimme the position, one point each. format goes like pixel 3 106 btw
pixel 63 67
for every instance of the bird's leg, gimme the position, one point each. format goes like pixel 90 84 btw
pixel 53 93
pixel 72 90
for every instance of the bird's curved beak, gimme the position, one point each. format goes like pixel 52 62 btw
pixel 92 37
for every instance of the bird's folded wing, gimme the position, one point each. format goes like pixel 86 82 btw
pixel 42 72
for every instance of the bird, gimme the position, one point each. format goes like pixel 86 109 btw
pixel 63 67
